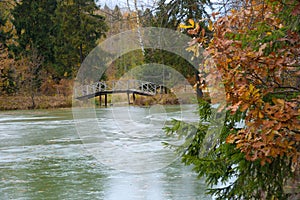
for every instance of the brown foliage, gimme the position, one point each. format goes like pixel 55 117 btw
pixel 258 59
pixel 6 69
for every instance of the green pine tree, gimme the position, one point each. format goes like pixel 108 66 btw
pixel 78 30
pixel 34 27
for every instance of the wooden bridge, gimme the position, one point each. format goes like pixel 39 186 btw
pixel 133 87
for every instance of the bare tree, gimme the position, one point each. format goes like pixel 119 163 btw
pixel 31 79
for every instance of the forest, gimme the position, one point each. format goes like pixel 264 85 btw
pixel 43 44
pixel 255 45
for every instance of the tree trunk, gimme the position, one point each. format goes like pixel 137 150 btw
pixel 32 101
pixel 81 54
pixel 198 89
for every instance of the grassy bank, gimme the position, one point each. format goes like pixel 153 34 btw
pixel 19 102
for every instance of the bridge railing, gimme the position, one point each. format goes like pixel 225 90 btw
pixel 145 87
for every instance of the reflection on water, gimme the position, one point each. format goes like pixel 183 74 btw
pixel 42 157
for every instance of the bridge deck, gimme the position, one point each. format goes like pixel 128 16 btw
pixel 89 96
pixel 122 86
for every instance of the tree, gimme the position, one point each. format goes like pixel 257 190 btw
pixel 256 50
pixel 127 62
pixel 171 15
pixel 7 76
pixel 171 60
pixel 147 18
pixel 33 45
pixel 30 73
pixel 116 22
pixel 6 27
pixel 7 84
pixel 34 27
pixel 79 29
pixel 3 34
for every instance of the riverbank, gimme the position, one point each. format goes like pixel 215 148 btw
pixel 18 102
pixel 161 99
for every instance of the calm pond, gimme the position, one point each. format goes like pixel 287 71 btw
pixel 44 156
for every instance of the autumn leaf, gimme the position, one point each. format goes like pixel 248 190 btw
pixel 261 48
pixel 210 25
pixel 244 107
pixel 230 139
pixel 194 31
pixel 234 107
pixel 203 33
pixel 192 24
pixel 214 14
pixel 278 101
pixel 260 115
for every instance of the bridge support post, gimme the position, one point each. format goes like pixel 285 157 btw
pixel 133 97
pixel 100 100
pixel 105 100
pixel 128 98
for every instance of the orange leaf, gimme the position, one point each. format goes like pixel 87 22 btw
pixel 297 137
pixel 278 101
pixel 239 145
pixel 245 107
pixel 234 107
pixel 277 126
pixel 260 115
pixel 258 144
pixel 230 139
pixel 203 32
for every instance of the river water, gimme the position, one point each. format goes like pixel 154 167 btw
pixel 44 156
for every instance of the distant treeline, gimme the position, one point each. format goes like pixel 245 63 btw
pixel 43 43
